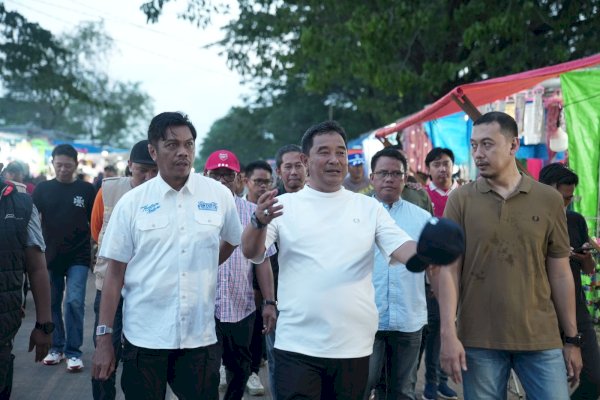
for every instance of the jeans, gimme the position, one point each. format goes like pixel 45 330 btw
pixel 192 374
pixel 270 344
pixel 102 390
pixel 72 328
pixel 403 349
pixel 234 339
pixel 433 371
pixel 6 369
pixel 542 373
pixel 299 376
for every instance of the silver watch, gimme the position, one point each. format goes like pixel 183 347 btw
pixel 103 330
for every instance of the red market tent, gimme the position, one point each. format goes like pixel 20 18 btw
pixel 464 97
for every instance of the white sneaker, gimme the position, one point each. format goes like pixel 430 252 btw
pixel 222 379
pixel 74 364
pixel 254 386
pixel 53 358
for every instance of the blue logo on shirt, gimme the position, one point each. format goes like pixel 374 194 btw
pixel 150 208
pixel 207 206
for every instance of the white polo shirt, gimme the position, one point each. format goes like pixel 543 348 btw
pixel 170 242
pixel 326 251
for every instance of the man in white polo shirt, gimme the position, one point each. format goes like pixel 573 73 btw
pixel 326 236
pixel 164 243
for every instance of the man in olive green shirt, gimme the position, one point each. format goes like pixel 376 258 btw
pixel 513 286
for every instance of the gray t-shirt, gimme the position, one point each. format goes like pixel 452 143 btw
pixel 34 231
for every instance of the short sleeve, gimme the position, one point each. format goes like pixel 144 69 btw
pixel 34 231
pixel 231 232
pixel 117 243
pixel 558 240
pixel 272 230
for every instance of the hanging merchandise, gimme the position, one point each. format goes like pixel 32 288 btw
pixel 416 146
pixel 520 112
pixel 560 141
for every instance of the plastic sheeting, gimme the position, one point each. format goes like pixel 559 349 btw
pixel 581 94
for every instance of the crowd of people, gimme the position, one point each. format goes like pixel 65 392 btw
pixel 340 278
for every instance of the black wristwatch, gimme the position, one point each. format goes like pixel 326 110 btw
pixel 576 340
pixel 256 222
pixel 269 303
pixel 46 327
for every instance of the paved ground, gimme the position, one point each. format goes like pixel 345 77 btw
pixel 39 382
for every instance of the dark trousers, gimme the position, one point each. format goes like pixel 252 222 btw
pixel 589 384
pixel 234 339
pixel 299 376
pixel 105 390
pixel 6 369
pixel 257 346
pixel 431 342
pixel 396 353
pixel 191 373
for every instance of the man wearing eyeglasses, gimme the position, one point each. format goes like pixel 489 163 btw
pixel 259 179
pixel 399 293
pixel 235 310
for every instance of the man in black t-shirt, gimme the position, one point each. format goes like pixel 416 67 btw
pixel 564 180
pixel 65 205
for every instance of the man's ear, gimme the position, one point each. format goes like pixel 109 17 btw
pixel 514 145
pixel 153 151
pixel 304 159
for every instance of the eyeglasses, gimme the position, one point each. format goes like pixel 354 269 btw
pixel 440 164
pixel 392 174
pixel 260 182
pixel 227 177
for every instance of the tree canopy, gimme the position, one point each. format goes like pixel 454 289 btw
pixel 60 82
pixel 390 57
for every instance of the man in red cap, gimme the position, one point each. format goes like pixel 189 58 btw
pixel 234 304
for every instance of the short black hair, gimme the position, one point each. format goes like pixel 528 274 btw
pixel 15 167
pixel 558 174
pixel 288 148
pixel 110 168
pixel 258 164
pixel 321 129
pixel 392 153
pixel 436 153
pixel 508 125
pixel 65 150
pixel 161 122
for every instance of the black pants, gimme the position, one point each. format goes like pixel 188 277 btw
pixel 589 384
pixel 299 376
pixel 6 369
pixel 235 338
pixel 191 373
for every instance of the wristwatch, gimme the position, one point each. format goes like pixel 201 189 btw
pixel 255 222
pixel 576 340
pixel 103 330
pixel 269 303
pixel 46 327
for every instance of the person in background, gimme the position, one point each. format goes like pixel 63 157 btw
pixel 357 181
pixel 399 294
pixel 65 205
pixel 235 310
pixel 565 181
pixel 143 168
pixel 21 251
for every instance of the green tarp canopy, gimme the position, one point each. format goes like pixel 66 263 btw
pixel 581 98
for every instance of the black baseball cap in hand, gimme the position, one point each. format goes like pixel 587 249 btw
pixel 441 242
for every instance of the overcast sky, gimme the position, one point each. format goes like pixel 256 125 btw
pixel 167 57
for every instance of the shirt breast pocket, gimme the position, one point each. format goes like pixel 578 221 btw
pixel 208 220
pixel 153 229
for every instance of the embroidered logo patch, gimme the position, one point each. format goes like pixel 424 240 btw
pixel 150 208
pixel 78 201
pixel 207 206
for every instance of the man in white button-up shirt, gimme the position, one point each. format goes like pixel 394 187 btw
pixel 164 243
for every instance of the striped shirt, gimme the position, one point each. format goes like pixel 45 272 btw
pixel 235 295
